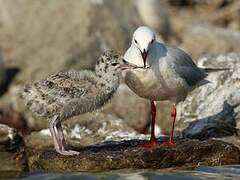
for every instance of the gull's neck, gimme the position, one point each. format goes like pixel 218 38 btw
pixel 133 55
pixel 156 51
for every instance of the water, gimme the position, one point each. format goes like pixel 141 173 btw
pixel 202 172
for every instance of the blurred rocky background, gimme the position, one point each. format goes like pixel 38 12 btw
pixel 38 38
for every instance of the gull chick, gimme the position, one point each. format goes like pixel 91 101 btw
pixel 169 74
pixel 66 94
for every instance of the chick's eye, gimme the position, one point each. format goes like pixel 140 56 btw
pixel 114 64
pixel 135 41
pixel 152 41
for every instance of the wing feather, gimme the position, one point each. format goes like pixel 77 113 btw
pixel 185 67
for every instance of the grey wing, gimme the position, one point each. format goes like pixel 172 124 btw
pixel 185 67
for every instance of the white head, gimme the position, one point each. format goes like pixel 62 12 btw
pixel 143 39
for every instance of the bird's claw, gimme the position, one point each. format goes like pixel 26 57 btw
pixel 168 143
pixel 150 144
pixel 68 152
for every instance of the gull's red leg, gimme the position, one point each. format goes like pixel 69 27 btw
pixel 153 140
pixel 170 142
pixel 173 115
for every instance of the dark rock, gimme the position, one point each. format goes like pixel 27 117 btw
pixel 13 119
pixel 182 2
pixel 12 151
pixel 119 155
pixel 2 71
pixel 7 77
pixel 219 125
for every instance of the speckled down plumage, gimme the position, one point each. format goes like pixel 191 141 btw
pixel 67 94
pixel 73 92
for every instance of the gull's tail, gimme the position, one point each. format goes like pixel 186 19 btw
pixel 209 70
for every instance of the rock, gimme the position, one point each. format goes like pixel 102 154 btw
pixel 93 128
pixel 218 125
pixel 127 16
pixel 9 75
pixel 64 49
pixel 231 139
pixel 87 129
pixel 39 139
pixel 125 154
pixel 61 50
pixel 12 152
pixel 215 12
pixel 155 15
pixel 63 35
pixel 215 105
pixel 135 111
pixel 2 71
pixel 184 2
pixel 226 15
pixel 200 39
pixel 13 119
pixel 76 44
pixel 163 118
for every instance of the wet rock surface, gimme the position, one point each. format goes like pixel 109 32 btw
pixel 118 155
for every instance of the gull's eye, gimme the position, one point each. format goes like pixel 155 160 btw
pixel 135 41
pixel 152 41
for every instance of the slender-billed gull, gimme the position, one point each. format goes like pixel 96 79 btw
pixel 169 74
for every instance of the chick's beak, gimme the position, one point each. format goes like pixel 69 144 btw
pixel 127 65
pixel 144 56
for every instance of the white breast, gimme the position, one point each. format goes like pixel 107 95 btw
pixel 160 82
pixel 145 84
